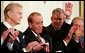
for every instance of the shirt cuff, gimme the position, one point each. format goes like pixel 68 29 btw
pixel 47 43
pixel 65 43
pixel 24 50
pixel 10 46
pixel 59 51
pixel 2 41
pixel 68 21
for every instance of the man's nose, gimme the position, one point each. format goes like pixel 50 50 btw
pixel 40 25
pixel 21 17
pixel 59 21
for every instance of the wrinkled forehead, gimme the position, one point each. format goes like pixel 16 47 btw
pixel 58 15
pixel 37 18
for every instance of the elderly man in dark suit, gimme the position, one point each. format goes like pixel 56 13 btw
pixel 12 39
pixel 58 29
pixel 35 33
pixel 73 41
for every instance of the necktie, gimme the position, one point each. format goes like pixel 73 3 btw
pixel 38 38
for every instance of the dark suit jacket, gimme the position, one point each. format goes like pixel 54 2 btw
pixel 29 36
pixel 61 47
pixel 58 35
pixel 72 46
pixel 17 47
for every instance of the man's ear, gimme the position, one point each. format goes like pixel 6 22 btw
pixel 51 18
pixel 30 25
pixel 9 14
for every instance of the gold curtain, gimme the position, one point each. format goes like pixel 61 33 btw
pixel 82 9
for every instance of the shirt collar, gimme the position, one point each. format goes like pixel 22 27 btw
pixel 34 33
pixel 7 24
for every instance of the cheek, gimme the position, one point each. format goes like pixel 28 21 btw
pixel 54 21
pixel 34 27
pixel 14 18
pixel 75 28
pixel 17 16
pixel 37 28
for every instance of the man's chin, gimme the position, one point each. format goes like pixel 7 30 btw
pixel 18 23
pixel 58 28
pixel 40 32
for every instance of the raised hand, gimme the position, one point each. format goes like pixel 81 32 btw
pixel 68 9
pixel 69 36
pixel 78 34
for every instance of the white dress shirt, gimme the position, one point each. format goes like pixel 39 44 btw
pixel 2 41
pixel 9 45
pixel 42 39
